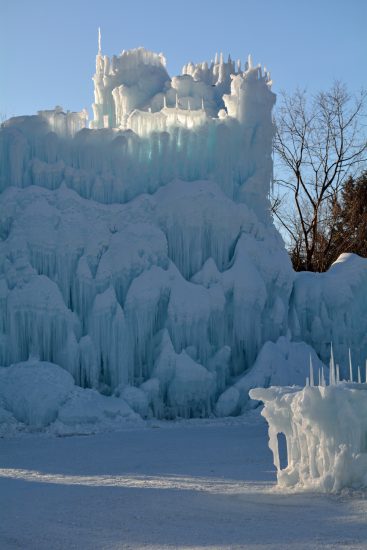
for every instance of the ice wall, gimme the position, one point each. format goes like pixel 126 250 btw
pixel 331 307
pixel 64 124
pixel 325 428
pixel 116 293
pixel 141 252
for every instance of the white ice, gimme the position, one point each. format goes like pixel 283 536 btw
pixel 140 252
pixel 325 427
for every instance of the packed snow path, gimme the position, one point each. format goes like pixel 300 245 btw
pixel 198 484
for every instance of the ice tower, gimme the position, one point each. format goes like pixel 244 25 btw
pixel 214 120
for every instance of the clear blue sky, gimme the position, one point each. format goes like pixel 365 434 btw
pixel 48 47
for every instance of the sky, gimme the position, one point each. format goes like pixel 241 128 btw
pixel 48 47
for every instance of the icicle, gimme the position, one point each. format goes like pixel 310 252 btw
pixel 337 374
pixel 332 367
pixel 164 102
pixel 202 104
pixel 176 101
pixel 323 383
pixel 359 376
pixel 350 367
pixel 99 41
pixel 312 383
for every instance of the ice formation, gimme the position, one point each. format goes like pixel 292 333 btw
pixel 325 426
pixel 139 254
pixel 38 395
pixel 332 307
pixel 278 364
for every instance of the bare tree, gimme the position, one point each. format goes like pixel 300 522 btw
pixel 317 146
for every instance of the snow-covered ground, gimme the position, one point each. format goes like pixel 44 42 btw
pixel 191 484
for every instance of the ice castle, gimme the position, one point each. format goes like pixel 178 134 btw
pixel 139 254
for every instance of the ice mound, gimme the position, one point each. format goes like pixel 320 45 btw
pixel 33 391
pixel 325 429
pixel 87 411
pixel 35 395
pixel 281 363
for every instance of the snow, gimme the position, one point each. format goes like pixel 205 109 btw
pixel 193 484
pixel 33 391
pixel 41 396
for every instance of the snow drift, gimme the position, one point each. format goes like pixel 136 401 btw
pixel 140 256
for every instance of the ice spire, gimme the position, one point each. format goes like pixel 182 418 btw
pixel 249 61
pixel 337 374
pixel 164 102
pixel 203 109
pixel 359 376
pixel 176 101
pixel 99 41
pixel 216 59
pixel 312 382
pixel 350 367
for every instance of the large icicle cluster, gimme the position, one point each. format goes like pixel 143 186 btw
pixel 332 307
pixel 325 426
pixel 139 254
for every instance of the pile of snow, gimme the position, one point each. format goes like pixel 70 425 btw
pixel 33 391
pixel 36 395
pixel 325 428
